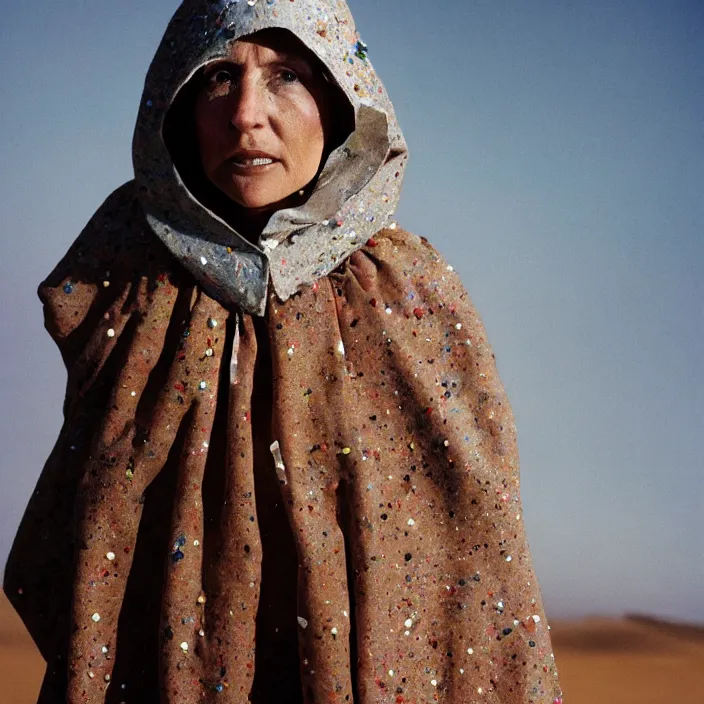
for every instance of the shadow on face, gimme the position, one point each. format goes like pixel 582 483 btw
pixel 250 133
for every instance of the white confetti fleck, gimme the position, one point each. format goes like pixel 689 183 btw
pixel 391 673
pixel 95 617
pixel 388 311
pixel 458 326
pixel 269 245
pixel 302 622
pixel 111 333
pixel 278 461
pixel 411 522
pixel 470 651
pixel 333 630
pixel 184 646
pixel 104 649
pixel 509 558
pixel 408 622
pixel 203 261
pixel 434 683
pixel 536 618
pixel 110 556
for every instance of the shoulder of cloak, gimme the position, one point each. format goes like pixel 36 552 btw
pixel 115 249
pixel 411 288
pixel 108 274
pixel 416 275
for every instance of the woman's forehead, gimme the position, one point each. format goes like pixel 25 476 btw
pixel 270 45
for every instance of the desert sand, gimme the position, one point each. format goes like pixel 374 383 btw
pixel 632 660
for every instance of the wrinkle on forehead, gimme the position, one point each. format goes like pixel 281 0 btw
pixel 272 46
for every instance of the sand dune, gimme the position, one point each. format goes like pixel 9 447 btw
pixel 633 660
pixel 21 665
pixel 637 635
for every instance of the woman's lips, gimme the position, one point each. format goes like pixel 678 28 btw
pixel 249 164
pixel 252 161
pixel 252 166
pixel 252 158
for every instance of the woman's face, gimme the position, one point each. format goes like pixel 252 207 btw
pixel 261 121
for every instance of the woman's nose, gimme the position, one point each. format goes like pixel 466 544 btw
pixel 250 106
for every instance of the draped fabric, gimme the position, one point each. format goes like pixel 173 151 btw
pixel 320 504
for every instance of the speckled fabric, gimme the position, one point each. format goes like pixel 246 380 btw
pixel 310 496
pixel 384 536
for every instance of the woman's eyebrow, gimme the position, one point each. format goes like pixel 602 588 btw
pixel 290 58
pixel 283 57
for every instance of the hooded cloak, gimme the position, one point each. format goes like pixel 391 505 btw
pixel 288 470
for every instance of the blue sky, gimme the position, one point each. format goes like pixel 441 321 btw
pixel 557 161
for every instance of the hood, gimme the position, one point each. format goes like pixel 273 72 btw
pixel 357 190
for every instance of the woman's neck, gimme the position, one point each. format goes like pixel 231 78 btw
pixel 249 222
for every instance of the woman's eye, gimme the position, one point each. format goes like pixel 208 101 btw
pixel 219 82
pixel 288 76
pixel 221 76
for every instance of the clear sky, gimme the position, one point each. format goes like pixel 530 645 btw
pixel 557 160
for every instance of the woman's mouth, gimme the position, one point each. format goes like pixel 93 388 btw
pixel 256 161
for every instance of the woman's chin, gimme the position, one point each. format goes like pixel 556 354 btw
pixel 259 201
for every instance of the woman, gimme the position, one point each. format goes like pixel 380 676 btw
pixel 288 469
